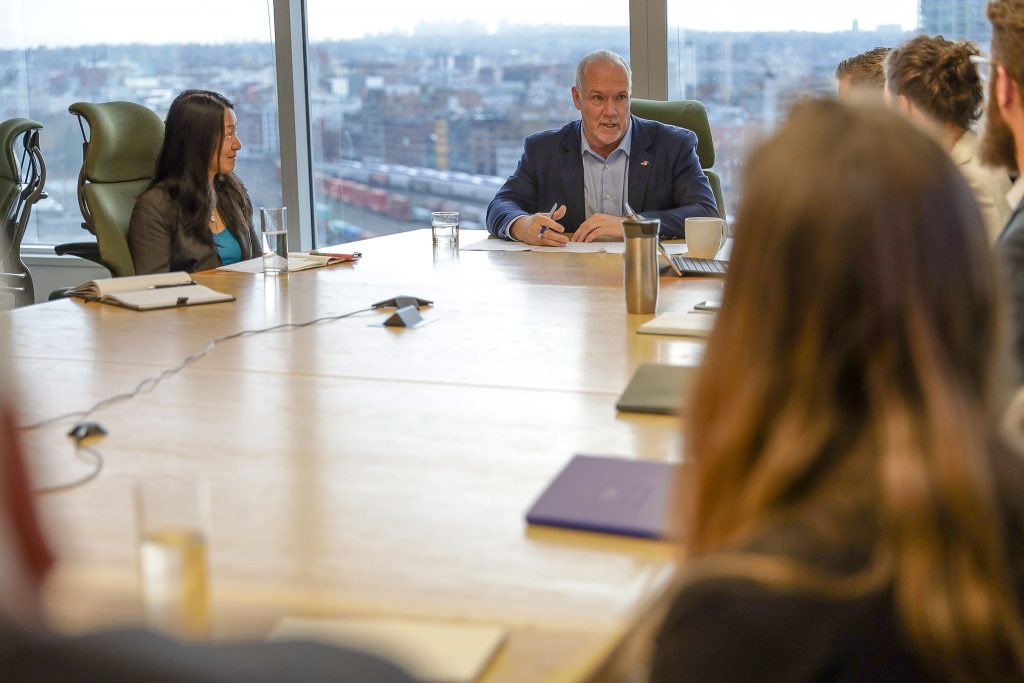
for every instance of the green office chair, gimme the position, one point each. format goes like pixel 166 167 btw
pixel 692 115
pixel 22 177
pixel 119 160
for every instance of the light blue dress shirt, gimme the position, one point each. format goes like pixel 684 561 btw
pixel 604 180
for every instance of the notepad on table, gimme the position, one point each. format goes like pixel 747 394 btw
pixel 429 650
pixel 610 495
pixel 297 260
pixel 657 388
pixel 688 324
pixel 147 292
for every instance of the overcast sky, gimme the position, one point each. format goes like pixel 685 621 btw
pixel 58 23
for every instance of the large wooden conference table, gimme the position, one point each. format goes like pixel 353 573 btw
pixel 362 470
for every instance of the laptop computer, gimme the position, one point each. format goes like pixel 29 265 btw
pixel 682 265
pixel 610 495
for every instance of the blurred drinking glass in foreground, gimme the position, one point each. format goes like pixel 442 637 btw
pixel 172 516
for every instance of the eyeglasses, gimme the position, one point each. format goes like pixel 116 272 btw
pixel 986 67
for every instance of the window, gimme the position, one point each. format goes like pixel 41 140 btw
pixel 410 116
pixel 749 61
pixel 64 51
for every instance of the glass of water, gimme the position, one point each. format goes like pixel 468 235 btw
pixel 172 517
pixel 445 226
pixel 274 233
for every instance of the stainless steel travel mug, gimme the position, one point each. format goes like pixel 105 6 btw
pixel 641 272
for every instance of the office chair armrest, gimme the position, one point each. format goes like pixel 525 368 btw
pixel 87 250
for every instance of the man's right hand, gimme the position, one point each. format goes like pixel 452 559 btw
pixel 539 229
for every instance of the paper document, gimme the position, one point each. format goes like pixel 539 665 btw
pixel 495 245
pixel 572 247
pixel 296 261
pixel 578 248
pixel 429 650
pixel 688 324
pixel 147 292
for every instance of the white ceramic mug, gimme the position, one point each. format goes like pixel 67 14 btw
pixel 705 236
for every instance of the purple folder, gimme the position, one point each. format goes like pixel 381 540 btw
pixel 611 495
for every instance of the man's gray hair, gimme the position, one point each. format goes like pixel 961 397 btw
pixel 602 57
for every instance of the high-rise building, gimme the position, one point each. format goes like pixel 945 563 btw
pixel 956 20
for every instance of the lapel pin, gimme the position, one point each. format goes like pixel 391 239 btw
pixel 644 162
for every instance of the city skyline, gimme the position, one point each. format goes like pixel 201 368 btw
pixel 29 25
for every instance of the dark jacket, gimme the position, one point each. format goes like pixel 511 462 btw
pixel 159 244
pixel 665 178
pixel 144 657
pixel 1010 250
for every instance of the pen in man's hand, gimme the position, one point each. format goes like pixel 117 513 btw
pixel 551 213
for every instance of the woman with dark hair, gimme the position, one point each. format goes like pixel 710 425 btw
pixel 934 82
pixel 196 214
pixel 851 513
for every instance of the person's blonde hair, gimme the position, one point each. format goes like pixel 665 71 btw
pixel 864 69
pixel 849 377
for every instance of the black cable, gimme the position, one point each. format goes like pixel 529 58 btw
pixel 79 450
pixel 150 383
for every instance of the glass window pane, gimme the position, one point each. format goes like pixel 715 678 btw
pixel 411 115
pixel 748 61
pixel 58 52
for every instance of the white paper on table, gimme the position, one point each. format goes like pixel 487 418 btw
pixel 428 649
pixel 576 248
pixel 682 324
pixel 495 245
pixel 675 247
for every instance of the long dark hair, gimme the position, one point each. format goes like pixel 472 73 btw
pixel 852 366
pixel 193 135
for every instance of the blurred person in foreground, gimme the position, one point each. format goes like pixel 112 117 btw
pixel 196 214
pixel 30 653
pixel 861 76
pixel 853 514
pixel 1002 145
pixel 589 169
pixel 934 83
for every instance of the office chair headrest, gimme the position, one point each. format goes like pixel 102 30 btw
pixel 124 141
pixel 689 114
pixel 10 130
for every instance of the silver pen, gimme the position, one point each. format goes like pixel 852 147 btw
pixel 551 212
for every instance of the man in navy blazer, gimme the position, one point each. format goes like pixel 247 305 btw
pixel 578 179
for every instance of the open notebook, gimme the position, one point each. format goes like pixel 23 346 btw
pixel 297 260
pixel 146 292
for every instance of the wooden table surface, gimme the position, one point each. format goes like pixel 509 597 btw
pixel 357 469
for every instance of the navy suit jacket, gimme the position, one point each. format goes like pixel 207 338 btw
pixel 665 178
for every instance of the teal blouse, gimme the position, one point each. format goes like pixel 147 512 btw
pixel 228 247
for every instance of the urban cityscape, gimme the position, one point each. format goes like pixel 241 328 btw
pixel 402 125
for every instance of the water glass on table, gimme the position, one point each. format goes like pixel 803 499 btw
pixel 444 225
pixel 274 235
pixel 172 518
